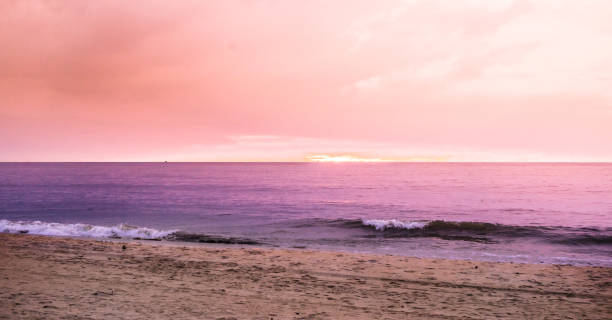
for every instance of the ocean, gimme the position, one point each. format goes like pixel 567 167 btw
pixel 557 213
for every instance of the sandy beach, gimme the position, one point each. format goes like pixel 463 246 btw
pixel 65 278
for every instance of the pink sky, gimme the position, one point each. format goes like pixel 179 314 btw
pixel 478 80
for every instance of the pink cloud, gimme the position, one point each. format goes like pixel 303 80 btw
pixel 145 79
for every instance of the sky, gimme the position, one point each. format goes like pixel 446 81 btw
pixel 473 80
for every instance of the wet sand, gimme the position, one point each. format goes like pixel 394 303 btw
pixel 63 278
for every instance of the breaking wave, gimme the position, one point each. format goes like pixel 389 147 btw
pixel 81 230
pixel 479 231
pixel 484 232
pixel 118 231
pixel 393 224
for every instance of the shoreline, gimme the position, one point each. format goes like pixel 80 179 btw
pixel 266 246
pixel 436 239
pixel 57 277
pixel 227 242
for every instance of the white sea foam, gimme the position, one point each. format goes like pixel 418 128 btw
pixel 394 224
pixel 81 230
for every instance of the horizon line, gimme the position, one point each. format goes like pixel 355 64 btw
pixel 331 162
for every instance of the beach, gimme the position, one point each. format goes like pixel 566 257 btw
pixel 67 278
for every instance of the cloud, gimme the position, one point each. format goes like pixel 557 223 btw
pixel 141 79
pixel 369 83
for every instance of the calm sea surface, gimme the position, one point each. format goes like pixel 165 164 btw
pixel 551 213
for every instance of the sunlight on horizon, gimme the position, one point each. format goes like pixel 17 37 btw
pixel 343 158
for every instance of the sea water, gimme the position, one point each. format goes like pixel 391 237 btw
pixel 519 212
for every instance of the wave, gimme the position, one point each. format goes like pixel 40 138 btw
pixel 442 225
pixel 446 230
pixel 393 224
pixel 203 238
pixel 82 230
pixel 118 231
pixel 587 239
pixel 476 231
